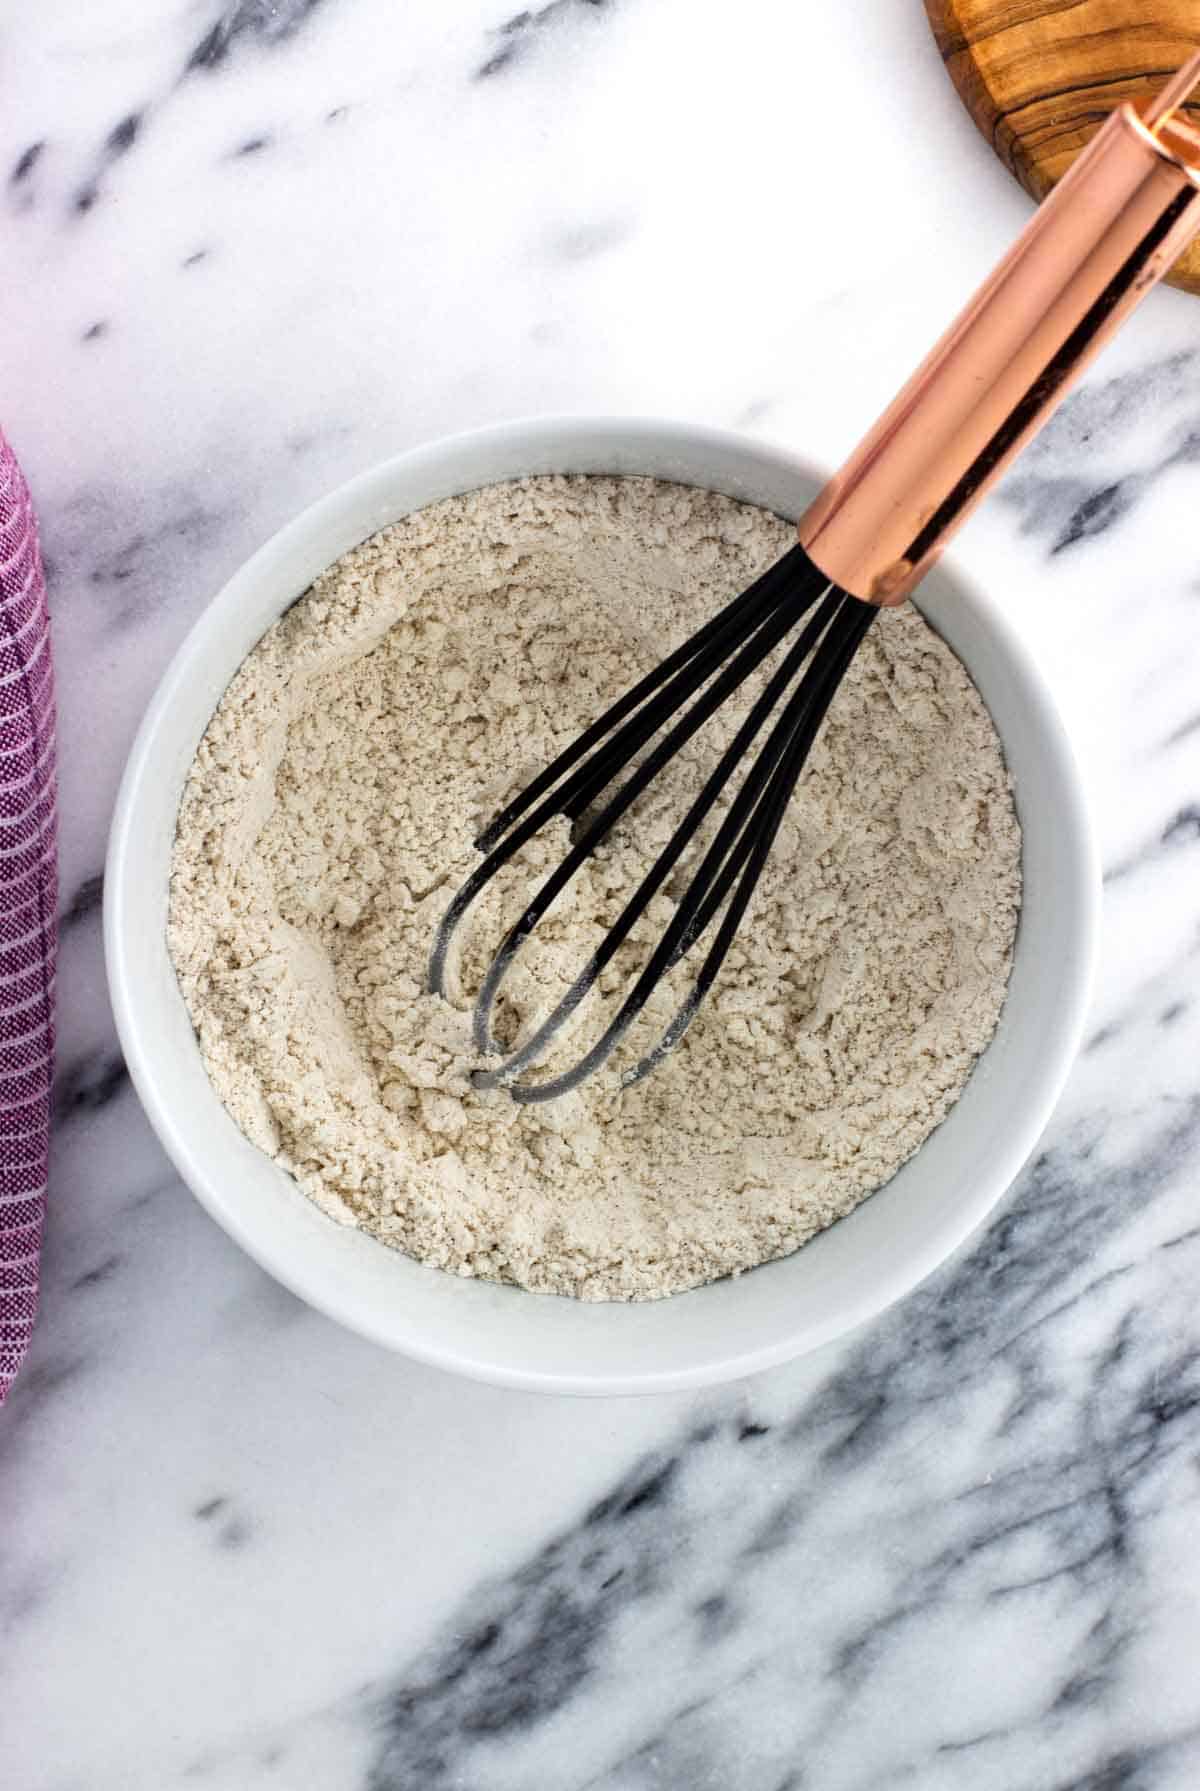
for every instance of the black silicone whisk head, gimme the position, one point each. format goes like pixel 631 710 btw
pixel 615 760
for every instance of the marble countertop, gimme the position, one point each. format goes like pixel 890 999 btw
pixel 249 249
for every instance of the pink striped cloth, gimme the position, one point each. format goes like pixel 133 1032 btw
pixel 28 908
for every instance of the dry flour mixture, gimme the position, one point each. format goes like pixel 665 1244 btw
pixel 329 817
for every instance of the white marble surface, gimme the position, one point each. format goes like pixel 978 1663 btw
pixel 248 250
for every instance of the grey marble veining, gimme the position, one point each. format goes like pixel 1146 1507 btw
pixel 249 249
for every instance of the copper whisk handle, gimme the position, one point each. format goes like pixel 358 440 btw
pixel 1107 233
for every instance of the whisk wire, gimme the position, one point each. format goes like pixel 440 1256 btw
pixel 855 620
pixel 685 671
pixel 622 749
pixel 708 643
pixel 766 638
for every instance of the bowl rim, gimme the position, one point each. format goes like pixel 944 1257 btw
pixel 892 1281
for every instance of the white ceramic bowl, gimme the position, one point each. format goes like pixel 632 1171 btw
pixel 503 1334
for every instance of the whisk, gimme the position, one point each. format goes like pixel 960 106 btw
pixel 1108 232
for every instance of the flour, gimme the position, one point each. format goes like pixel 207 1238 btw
pixel 329 817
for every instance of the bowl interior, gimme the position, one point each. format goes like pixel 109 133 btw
pixel 503 1334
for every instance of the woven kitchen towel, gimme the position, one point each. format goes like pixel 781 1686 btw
pixel 28 906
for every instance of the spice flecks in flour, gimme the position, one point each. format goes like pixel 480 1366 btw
pixel 329 817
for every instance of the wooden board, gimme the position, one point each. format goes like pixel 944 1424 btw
pixel 1040 76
